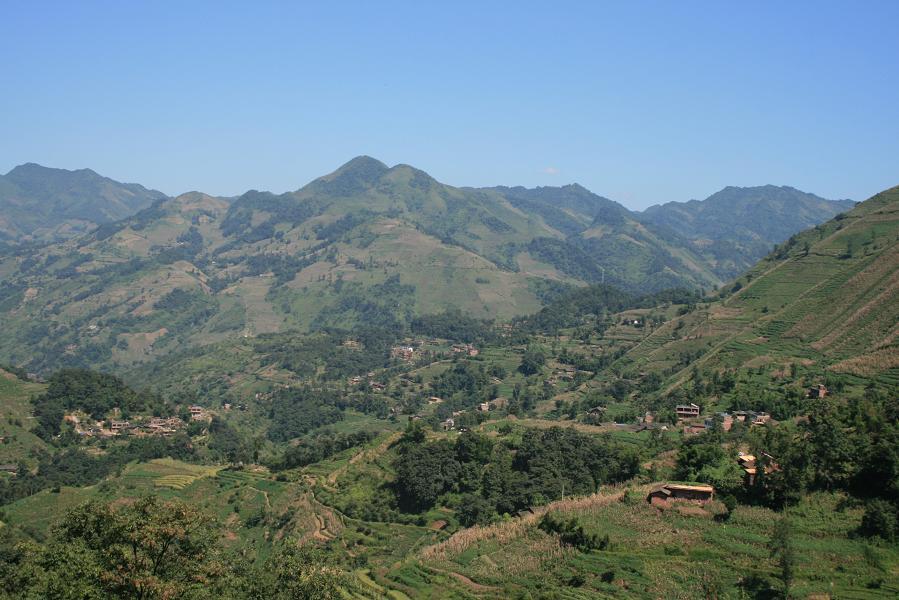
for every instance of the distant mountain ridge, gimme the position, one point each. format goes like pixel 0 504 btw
pixel 366 244
pixel 735 227
pixel 747 213
pixel 47 204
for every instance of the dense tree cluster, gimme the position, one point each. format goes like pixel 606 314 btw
pixel 319 447
pixel 305 355
pixel 569 309
pixel 453 325
pixel 75 467
pixel 388 305
pixel 504 476
pixel 296 411
pixel 462 386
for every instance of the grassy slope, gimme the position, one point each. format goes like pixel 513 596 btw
pixel 673 553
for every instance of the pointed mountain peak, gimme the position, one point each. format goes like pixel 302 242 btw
pixel 362 166
pixel 353 177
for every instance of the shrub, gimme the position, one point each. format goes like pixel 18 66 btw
pixel 880 520
pixel 572 533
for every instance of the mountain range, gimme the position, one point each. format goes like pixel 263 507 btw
pixel 38 203
pixel 735 227
pixel 366 244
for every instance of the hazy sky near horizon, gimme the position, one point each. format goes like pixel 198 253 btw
pixel 643 102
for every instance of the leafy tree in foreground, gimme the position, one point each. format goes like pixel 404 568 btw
pixel 298 573
pixel 149 549
pixel 154 550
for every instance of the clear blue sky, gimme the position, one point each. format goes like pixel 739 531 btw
pixel 644 103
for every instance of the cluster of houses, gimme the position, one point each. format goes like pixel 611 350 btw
pixel 689 413
pixel 748 463
pixel 450 424
pixel 376 386
pixel 141 426
pixel 406 353
pixel 467 349
pixel 115 427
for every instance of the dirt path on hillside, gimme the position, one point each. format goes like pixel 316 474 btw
pixel 363 454
pixel 466 580
pixel 268 503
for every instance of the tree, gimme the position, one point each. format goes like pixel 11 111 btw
pixel 227 443
pixel 699 453
pixel 473 447
pixel 781 547
pixel 834 459
pixel 149 549
pixel 533 360
pixel 783 465
pixel 474 510
pixel 298 573
pixel 880 520
pixel 424 472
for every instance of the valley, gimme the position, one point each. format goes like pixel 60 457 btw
pixel 395 412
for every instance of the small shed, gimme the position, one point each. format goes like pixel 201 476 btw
pixel 699 494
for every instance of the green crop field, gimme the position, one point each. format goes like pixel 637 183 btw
pixel 16 420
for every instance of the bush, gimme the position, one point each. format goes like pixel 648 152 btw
pixel 474 510
pixel 572 533
pixel 880 520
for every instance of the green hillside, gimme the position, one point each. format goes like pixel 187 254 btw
pixel 365 245
pixel 519 470
pixel 825 300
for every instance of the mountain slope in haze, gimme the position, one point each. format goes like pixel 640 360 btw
pixel 737 226
pixel 364 245
pixel 827 299
pixel 603 242
pixel 45 204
